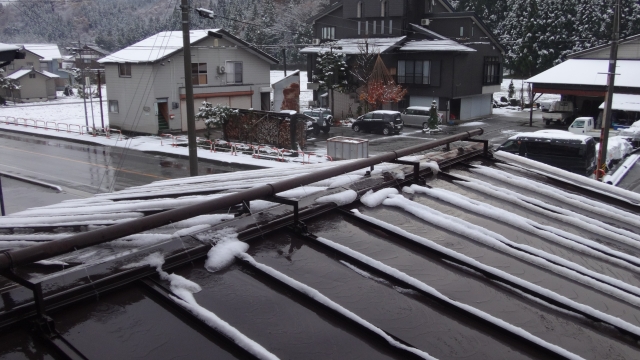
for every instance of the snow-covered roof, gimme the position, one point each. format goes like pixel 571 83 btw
pixel 166 43
pixel 18 74
pixel 22 72
pixel 155 47
pixel 355 46
pixel 435 45
pixel 590 72
pixel 47 52
pixel 625 102
pixel 424 31
pixel 8 47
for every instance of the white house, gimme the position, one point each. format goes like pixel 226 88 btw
pixel 145 81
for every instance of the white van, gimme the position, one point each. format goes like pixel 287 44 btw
pixel 418 116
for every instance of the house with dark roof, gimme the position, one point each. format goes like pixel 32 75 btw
pixel 88 55
pixel 436 53
pixel 145 81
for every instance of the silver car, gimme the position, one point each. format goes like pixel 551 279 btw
pixel 418 116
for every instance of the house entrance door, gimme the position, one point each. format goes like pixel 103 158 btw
pixel 162 111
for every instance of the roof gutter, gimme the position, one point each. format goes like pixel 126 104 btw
pixel 14 258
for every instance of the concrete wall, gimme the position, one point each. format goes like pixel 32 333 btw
pixel 166 80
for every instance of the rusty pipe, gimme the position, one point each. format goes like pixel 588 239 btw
pixel 13 258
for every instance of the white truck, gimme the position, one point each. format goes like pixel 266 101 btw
pixel 586 126
pixel 559 112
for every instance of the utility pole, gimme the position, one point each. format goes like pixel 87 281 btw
pixel 613 58
pixel 188 87
pixel 2 213
pixel 284 59
pixel 100 97
pixel 84 88
pixel 93 120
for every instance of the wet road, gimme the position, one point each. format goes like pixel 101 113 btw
pixel 82 170
pixel 497 129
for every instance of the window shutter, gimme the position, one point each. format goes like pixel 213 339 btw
pixel 435 72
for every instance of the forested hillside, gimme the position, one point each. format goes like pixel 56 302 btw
pixel 537 33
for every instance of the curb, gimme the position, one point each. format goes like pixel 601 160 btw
pixel 31 181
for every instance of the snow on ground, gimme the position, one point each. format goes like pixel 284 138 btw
pixel 519 85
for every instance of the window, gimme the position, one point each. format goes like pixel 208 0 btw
pixel 32 76
pixel 113 106
pixel 329 32
pixel 366 27
pixel 199 74
pixel 414 72
pixel 461 31
pixel 359 9
pixel 124 70
pixel 428 6
pixel 30 64
pixel 390 26
pixel 381 27
pixel 374 27
pixel 87 61
pixel 384 8
pixel 359 25
pixel 491 70
pixel 234 72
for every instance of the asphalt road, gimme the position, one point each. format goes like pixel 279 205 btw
pixel 81 170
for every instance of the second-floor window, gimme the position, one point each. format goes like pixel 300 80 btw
pixel 234 72
pixel 329 32
pixel 414 72
pixel 32 76
pixel 491 70
pixel 199 73
pixel 113 106
pixel 359 9
pixel 384 8
pixel 124 70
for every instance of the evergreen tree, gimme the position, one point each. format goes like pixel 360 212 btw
pixel 331 73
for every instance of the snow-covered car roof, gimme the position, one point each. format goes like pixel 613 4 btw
pixel 552 135
pixel 390 112
pixel 427 108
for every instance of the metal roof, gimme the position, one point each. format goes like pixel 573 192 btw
pixel 590 72
pixel 486 259
pixel 356 46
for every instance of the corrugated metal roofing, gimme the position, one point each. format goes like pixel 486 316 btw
pixel 485 260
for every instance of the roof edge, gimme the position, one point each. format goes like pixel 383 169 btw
pixel 603 46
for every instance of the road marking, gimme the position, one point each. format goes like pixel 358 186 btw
pixel 87 163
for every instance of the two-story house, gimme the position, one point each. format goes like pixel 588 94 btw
pixel 436 53
pixel 145 81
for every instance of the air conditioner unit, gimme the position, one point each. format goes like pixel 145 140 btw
pixel 425 22
pixel 315 41
pixel 221 70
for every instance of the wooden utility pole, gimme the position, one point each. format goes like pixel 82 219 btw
pixel 613 57
pixel 188 87
pixel 100 97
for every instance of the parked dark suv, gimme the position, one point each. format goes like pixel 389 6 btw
pixel 384 121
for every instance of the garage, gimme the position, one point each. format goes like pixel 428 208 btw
pixel 475 107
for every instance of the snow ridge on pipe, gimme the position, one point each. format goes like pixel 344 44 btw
pixel 317 296
pixel 595 226
pixel 563 196
pixel 580 308
pixel 399 275
pixel 547 170
pixel 185 289
pixel 527 253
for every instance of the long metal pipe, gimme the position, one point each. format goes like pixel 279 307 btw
pixel 47 250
